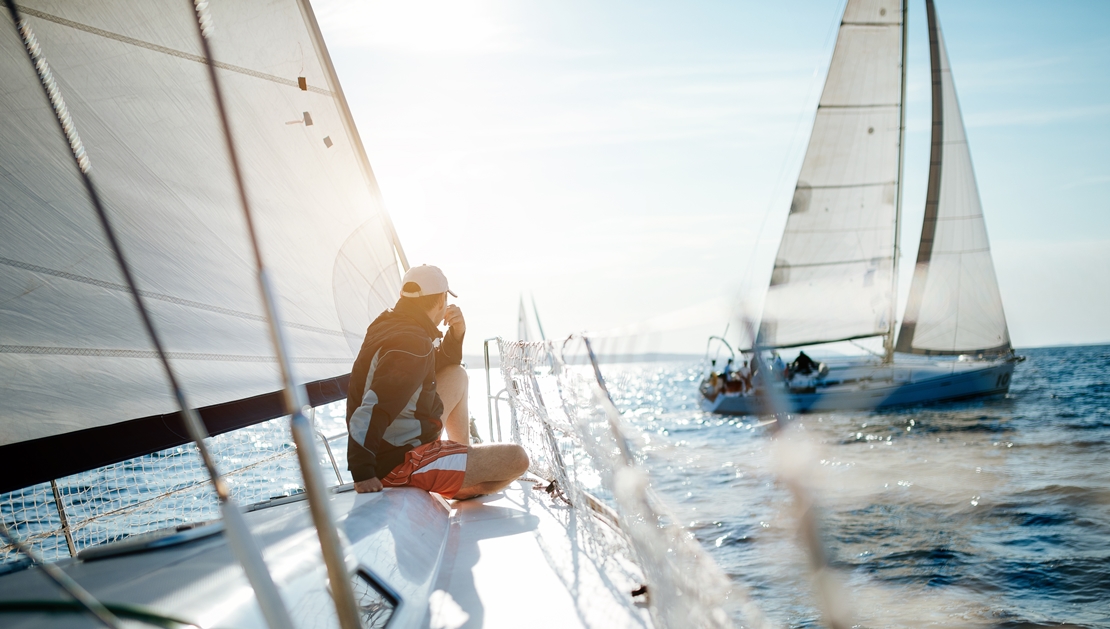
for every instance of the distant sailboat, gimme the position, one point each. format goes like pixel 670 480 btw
pixel 836 271
pixel 524 326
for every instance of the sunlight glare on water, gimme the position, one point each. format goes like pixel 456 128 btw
pixel 991 513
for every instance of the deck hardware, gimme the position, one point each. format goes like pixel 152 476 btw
pixel 65 520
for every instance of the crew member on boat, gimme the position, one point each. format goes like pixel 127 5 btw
pixel 407 385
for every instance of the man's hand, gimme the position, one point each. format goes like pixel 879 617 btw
pixel 369 486
pixel 455 321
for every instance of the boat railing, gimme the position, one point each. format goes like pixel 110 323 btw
pixel 721 340
pixel 582 447
pixel 494 401
pixel 165 489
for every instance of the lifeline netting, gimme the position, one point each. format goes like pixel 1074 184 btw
pixel 563 417
pixel 158 490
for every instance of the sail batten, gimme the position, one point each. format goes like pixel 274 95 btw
pixel 954 306
pixel 834 268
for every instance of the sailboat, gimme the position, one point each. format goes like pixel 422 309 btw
pixel 99 476
pixel 836 271
pixel 524 323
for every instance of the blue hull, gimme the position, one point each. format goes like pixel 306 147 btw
pixel 969 381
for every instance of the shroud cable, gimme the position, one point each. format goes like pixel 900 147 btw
pixel 239 536
pixel 296 402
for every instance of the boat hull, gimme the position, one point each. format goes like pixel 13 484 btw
pixel 877 386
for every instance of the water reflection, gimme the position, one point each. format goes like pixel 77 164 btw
pixel 987 513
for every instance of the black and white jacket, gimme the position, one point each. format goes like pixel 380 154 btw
pixel 392 405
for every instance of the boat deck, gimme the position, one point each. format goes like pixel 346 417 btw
pixel 510 559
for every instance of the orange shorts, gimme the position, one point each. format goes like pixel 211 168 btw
pixel 438 466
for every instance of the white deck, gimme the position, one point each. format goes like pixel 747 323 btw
pixel 506 560
pixel 510 562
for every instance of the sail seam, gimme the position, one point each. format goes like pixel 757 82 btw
pixel 812 264
pixel 168 51
pixel 898 24
pixel 158 296
pixel 847 185
pixel 134 353
pixel 846 230
pixel 865 106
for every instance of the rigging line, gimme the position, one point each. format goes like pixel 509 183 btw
pixel 133 506
pixel 536 312
pixel 166 50
pixel 295 397
pixel 34 268
pixel 866 349
pixel 891 341
pixel 59 577
pixel 239 536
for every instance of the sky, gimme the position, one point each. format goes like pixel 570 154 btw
pixel 629 165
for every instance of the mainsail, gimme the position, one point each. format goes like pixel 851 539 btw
pixel 834 272
pixel 954 305
pixel 81 386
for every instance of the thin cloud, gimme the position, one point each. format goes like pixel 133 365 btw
pixel 1033 117
pixel 1090 181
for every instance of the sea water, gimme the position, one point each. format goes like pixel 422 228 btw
pixel 989 513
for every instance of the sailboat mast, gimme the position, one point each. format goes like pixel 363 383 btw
pixel 888 341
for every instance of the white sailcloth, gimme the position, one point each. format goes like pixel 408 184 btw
pixel 954 305
pixel 832 275
pixel 522 331
pixel 72 352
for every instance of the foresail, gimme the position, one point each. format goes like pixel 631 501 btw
pixel 522 331
pixel 833 272
pixel 72 353
pixel 954 306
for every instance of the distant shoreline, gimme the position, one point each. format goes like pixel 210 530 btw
pixel 477 361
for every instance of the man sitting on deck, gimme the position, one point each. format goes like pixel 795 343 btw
pixel 405 388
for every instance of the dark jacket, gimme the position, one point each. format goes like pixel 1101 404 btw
pixel 392 405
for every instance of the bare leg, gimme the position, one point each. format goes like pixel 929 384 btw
pixel 491 467
pixel 452 385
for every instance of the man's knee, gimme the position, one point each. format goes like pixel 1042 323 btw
pixel 454 374
pixel 518 461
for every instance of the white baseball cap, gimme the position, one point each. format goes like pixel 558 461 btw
pixel 429 278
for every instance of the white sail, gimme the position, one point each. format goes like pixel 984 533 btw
pixel 833 273
pixel 954 305
pixel 72 351
pixel 522 331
